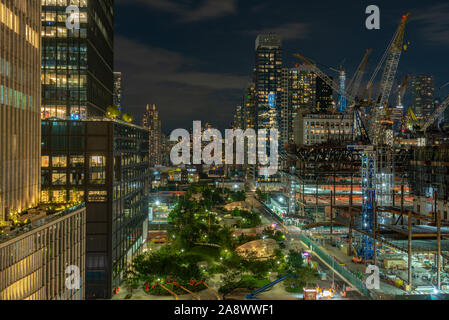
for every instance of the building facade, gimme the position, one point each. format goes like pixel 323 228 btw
pixel 267 79
pixel 152 121
pixel 118 90
pixel 20 95
pixel 324 99
pixel 423 89
pixel 104 163
pixel 249 107
pixel 429 177
pixel 34 260
pixel 312 129
pixel 77 64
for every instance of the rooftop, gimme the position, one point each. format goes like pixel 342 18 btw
pixel 35 218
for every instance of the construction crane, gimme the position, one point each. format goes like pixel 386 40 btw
pixel 391 59
pixel 313 67
pixel 354 84
pixel 359 128
pixel 438 113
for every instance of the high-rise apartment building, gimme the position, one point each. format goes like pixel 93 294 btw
pixel 152 122
pixel 77 64
pixel 237 123
pixel 20 95
pixel 118 90
pixel 267 79
pixel 249 107
pixel 423 89
pixel 301 96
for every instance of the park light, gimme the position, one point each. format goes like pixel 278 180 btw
pixel 158 202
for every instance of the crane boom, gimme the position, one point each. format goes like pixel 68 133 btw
pixel 438 113
pixel 313 67
pixel 355 82
pixel 393 55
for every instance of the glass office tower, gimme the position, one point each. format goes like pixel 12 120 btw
pixel 77 64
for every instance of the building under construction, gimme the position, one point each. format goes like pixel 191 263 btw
pixel 410 225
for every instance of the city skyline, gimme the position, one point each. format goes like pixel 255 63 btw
pixel 185 54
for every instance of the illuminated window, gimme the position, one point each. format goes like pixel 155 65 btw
pixel 45 161
pixel 76 178
pixel 77 161
pixel 45 196
pixel 59 161
pixel 97 170
pixel 59 196
pixel 59 178
pixel 76 196
pixel 97 196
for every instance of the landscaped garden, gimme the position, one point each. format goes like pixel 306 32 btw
pixel 201 247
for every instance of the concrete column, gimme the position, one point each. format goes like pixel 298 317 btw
pixel 410 237
pixel 438 214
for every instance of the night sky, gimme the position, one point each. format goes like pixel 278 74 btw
pixel 193 58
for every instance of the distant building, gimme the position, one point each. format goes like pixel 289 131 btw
pixel 324 100
pixel 20 99
pixel 152 122
pixel 237 123
pixel 267 79
pixel 299 97
pixel 117 90
pixel 249 107
pixel 312 129
pixel 34 258
pixel 423 89
pixel 103 163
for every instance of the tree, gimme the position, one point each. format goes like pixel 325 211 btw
pixel 113 112
pixel 127 117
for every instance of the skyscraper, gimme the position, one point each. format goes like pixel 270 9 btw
pixel 152 121
pixel 423 89
pixel 249 107
pixel 267 79
pixel 237 123
pixel 302 95
pixel 118 90
pixel 77 64
pixel 324 100
pixel 20 95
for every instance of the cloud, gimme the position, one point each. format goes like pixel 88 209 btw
pixel 188 10
pixel 156 75
pixel 435 23
pixel 288 31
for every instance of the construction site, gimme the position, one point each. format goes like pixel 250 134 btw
pixel 380 197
